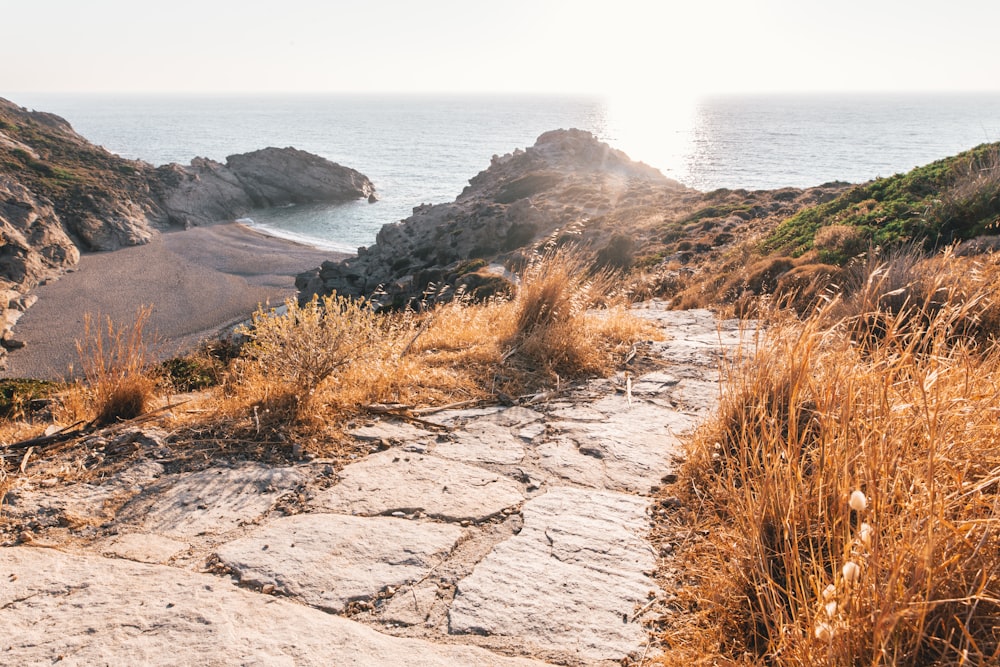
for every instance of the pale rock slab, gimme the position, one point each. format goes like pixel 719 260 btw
pixel 82 501
pixel 514 416
pixel 482 442
pixel 328 560
pixel 398 481
pixel 391 431
pixel 561 458
pixel 570 581
pixel 631 446
pixel 86 610
pixel 210 502
pixel 412 606
pixel 144 547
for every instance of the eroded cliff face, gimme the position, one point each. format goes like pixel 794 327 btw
pixel 560 187
pixel 60 195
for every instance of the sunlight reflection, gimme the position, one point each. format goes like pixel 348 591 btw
pixel 656 129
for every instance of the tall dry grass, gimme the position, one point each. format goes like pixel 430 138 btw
pixel 115 359
pixel 854 487
pixel 329 360
pixel 568 320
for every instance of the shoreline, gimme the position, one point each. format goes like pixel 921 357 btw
pixel 198 281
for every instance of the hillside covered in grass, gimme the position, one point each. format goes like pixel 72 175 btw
pixel 800 254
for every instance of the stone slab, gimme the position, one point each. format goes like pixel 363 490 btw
pixel 144 547
pixel 81 501
pixel 570 581
pixel 328 560
pixel 411 606
pixel 482 442
pixel 86 610
pixel 399 481
pixel 631 446
pixel 391 431
pixel 210 502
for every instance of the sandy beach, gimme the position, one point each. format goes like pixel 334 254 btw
pixel 197 281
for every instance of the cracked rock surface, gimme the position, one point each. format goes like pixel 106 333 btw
pixel 495 536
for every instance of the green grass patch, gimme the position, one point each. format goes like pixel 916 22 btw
pixel 949 200
pixel 16 395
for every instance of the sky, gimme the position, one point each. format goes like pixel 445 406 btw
pixel 612 47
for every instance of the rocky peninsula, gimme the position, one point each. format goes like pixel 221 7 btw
pixel 61 196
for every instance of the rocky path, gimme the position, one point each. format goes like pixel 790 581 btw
pixel 491 536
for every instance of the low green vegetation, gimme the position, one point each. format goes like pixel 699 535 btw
pixel 949 200
pixel 17 395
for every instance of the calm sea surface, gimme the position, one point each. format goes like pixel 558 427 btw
pixel 425 149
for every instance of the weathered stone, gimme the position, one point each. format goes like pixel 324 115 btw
pixel 460 416
pixel 391 431
pixel 411 606
pixel 398 481
pixel 514 416
pixel 631 445
pixel 212 501
pixel 327 560
pixel 561 458
pixel 571 580
pixel 521 198
pixel 87 610
pixel 482 442
pixel 144 547
pixel 80 502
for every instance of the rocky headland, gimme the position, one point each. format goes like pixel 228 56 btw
pixel 568 187
pixel 60 195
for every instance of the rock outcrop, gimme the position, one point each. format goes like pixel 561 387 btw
pixel 555 190
pixel 207 191
pixel 60 195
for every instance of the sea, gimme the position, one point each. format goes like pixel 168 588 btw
pixel 424 149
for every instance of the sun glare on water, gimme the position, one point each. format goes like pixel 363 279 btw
pixel 655 129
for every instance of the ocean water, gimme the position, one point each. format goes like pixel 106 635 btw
pixel 425 149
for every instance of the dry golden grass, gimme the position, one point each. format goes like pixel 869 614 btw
pixel 322 364
pixel 115 360
pixel 853 491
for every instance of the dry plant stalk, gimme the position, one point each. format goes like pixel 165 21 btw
pixel 856 489
pixel 115 361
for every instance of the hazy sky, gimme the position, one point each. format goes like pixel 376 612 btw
pixel 652 47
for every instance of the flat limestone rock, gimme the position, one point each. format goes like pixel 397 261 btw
pixel 412 606
pixel 391 431
pixel 144 547
pixel 561 458
pixel 482 442
pixel 399 481
pixel 327 560
pixel 570 581
pixel 630 447
pixel 81 501
pixel 212 501
pixel 86 610
pixel 514 416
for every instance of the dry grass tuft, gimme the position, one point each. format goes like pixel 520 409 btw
pixel 115 360
pixel 329 361
pixel 854 490
pixel 556 332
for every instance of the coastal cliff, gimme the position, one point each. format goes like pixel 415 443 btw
pixel 60 195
